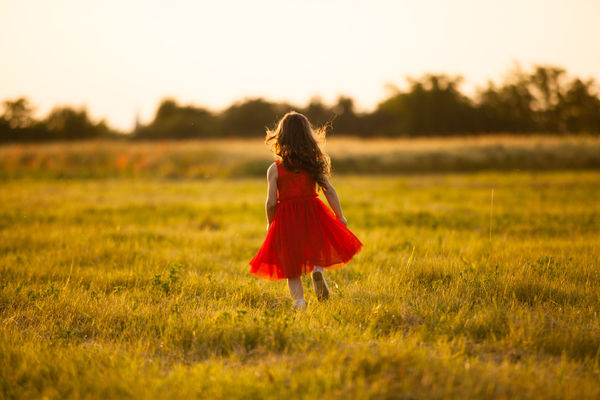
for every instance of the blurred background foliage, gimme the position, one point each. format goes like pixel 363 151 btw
pixel 544 99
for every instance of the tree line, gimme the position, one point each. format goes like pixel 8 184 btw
pixel 17 124
pixel 542 100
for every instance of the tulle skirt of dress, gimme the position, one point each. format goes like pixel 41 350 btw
pixel 304 233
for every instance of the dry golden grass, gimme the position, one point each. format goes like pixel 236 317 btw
pixel 239 158
pixel 139 288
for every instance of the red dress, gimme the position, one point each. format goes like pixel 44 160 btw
pixel 303 233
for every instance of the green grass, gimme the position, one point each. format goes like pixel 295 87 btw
pixel 122 288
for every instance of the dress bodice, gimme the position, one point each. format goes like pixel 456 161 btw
pixel 294 184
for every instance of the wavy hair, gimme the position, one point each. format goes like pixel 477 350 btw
pixel 296 141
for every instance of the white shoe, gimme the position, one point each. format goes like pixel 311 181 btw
pixel 320 285
pixel 300 304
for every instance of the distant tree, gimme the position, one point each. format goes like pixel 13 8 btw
pixel 5 131
pixel 167 109
pixel 432 105
pixel 249 118
pixel 180 122
pixel 540 101
pixel 346 121
pixel 548 87
pixel 18 114
pixel 317 112
pixel 508 108
pixel 67 123
pixel 17 122
pixel 580 107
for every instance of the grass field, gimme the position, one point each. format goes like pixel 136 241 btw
pixel 200 159
pixel 138 288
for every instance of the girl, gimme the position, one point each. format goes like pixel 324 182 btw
pixel 303 235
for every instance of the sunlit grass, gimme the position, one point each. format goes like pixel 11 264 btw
pixel 139 288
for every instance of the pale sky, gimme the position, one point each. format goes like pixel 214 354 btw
pixel 120 56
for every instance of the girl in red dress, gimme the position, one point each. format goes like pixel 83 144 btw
pixel 303 234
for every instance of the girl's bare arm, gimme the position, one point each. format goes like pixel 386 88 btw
pixel 334 201
pixel 271 203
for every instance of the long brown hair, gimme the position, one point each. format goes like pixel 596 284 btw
pixel 296 141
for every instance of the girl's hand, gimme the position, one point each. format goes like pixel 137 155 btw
pixel 344 221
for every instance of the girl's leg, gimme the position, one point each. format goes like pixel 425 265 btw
pixel 296 289
pixel 319 283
